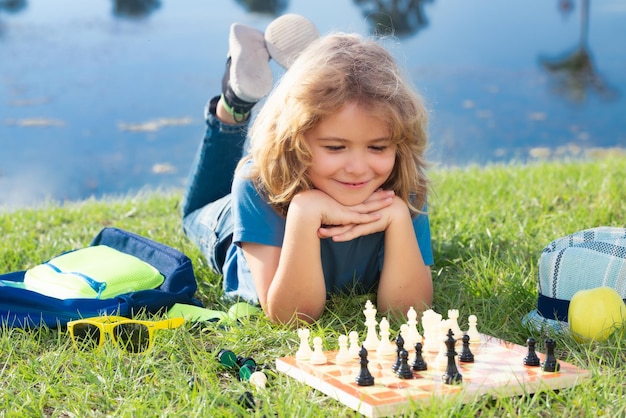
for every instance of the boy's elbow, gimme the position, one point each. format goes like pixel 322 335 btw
pixel 293 317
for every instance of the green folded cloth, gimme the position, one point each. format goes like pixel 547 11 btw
pixel 99 272
pixel 193 313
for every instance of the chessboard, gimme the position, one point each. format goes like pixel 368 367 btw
pixel 498 370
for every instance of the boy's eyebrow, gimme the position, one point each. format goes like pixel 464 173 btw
pixel 343 140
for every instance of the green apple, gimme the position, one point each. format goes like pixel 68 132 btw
pixel 595 313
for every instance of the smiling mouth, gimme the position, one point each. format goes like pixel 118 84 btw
pixel 353 185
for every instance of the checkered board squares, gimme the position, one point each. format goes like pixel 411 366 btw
pixel 498 370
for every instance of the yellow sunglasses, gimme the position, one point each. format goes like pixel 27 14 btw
pixel 132 335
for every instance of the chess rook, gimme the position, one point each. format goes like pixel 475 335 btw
pixel 550 364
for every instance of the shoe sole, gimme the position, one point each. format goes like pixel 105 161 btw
pixel 287 36
pixel 250 73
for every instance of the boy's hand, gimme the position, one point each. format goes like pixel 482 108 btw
pixel 379 207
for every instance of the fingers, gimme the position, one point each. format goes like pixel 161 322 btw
pixel 343 233
pixel 330 231
pixel 380 196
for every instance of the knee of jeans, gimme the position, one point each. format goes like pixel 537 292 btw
pixel 205 237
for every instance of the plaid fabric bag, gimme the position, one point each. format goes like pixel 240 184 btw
pixel 583 260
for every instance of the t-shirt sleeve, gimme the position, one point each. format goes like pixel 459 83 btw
pixel 421 224
pixel 254 220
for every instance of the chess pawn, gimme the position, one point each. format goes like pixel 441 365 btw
pixel 531 358
pixel 466 355
pixel 385 347
pixel 258 379
pixel 404 370
pixel 453 316
pixel 419 364
pixel 472 331
pixel 353 338
pixel 304 351
pixel 318 356
pixel 343 355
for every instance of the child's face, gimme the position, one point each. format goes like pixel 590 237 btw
pixel 352 154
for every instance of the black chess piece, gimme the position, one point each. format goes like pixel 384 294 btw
pixel 404 371
pixel 550 364
pixel 400 347
pixel 452 375
pixel 364 378
pixel 466 354
pixel 419 364
pixel 531 358
pixel 247 401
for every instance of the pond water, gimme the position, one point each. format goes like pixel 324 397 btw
pixel 105 97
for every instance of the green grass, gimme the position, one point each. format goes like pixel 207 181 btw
pixel 489 226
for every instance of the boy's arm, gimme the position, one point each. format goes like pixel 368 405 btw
pixel 290 280
pixel 405 280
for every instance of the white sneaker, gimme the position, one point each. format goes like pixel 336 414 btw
pixel 249 74
pixel 287 36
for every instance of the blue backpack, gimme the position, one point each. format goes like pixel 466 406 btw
pixel 24 308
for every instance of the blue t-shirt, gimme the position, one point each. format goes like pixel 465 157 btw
pixel 347 266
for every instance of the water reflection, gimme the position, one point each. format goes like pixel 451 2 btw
pixel 498 76
pixel 574 73
pixel 12 6
pixel 134 9
pixel 401 18
pixel 269 7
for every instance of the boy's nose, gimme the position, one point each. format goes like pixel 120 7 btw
pixel 355 165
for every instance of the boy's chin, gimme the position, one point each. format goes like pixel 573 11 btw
pixel 349 200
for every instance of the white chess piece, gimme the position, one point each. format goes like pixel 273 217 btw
pixel 371 339
pixel 431 322
pixel 343 355
pixel 472 331
pixel 453 316
pixel 413 333
pixel 441 360
pixel 318 356
pixel 408 344
pixel 355 347
pixel 304 351
pixel 385 346
pixel 258 379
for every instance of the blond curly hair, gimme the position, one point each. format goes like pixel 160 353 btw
pixel 335 70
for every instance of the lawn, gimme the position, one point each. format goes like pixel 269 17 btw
pixel 489 226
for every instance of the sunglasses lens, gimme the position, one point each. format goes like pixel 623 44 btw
pixel 86 336
pixel 133 338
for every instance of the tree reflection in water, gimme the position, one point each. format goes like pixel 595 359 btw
pixel 400 18
pixel 573 73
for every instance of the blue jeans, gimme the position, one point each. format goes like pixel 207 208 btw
pixel 206 206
